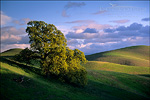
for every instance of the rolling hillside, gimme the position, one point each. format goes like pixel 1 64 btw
pixel 106 81
pixel 11 52
pixel 133 56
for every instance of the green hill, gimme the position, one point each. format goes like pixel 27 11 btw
pixel 133 56
pixel 11 52
pixel 106 66
pixel 104 85
pixel 106 81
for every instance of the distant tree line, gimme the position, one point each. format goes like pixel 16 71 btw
pixel 56 59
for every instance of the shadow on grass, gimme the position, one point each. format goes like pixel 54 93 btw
pixel 20 65
pixel 36 90
pixel 145 75
pixel 55 90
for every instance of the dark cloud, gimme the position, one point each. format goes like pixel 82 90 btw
pixel 121 28
pixel 145 31
pixel 128 33
pixel 71 5
pixel 74 4
pixel 82 35
pixel 109 30
pixel 86 34
pixel 90 30
pixel 110 38
pixel 146 19
pixel 135 26
pixel 134 29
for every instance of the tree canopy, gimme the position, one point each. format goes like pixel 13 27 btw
pixel 55 57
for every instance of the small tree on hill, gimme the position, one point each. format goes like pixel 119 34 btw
pixel 50 43
pixel 76 73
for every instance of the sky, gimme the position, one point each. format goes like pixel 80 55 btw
pixel 90 26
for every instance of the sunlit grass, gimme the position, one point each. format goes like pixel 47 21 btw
pixel 101 85
pixel 106 81
pixel 106 66
pixel 133 56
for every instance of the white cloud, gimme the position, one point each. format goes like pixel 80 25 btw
pixel 100 39
pixel 10 35
pixel 9 38
pixel 4 18
pixel 93 25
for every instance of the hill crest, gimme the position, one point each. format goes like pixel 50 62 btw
pixel 134 56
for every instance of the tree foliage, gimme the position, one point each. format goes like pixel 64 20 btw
pixel 25 56
pixel 76 73
pixel 56 58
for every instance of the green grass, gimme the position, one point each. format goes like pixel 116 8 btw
pixel 133 56
pixel 11 52
pixel 106 81
pixel 101 85
pixel 106 66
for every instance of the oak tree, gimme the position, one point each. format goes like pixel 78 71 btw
pixel 55 57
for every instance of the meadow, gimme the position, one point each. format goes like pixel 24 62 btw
pixel 106 80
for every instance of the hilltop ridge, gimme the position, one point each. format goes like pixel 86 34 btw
pixel 134 56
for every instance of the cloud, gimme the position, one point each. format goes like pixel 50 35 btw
pixel 82 21
pixel 74 4
pixel 134 26
pixel 132 30
pixel 12 30
pixel 74 35
pixel 95 47
pixel 93 25
pixel 99 12
pixel 85 33
pixel 120 21
pixel 104 39
pixel 11 35
pixel 72 41
pixel 22 21
pixel 4 18
pixel 71 5
pixel 146 19
pixel 108 30
pixel 90 30
pixel 7 38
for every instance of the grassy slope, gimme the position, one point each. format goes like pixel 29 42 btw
pixel 134 56
pixel 105 81
pixel 101 85
pixel 11 52
pixel 106 66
